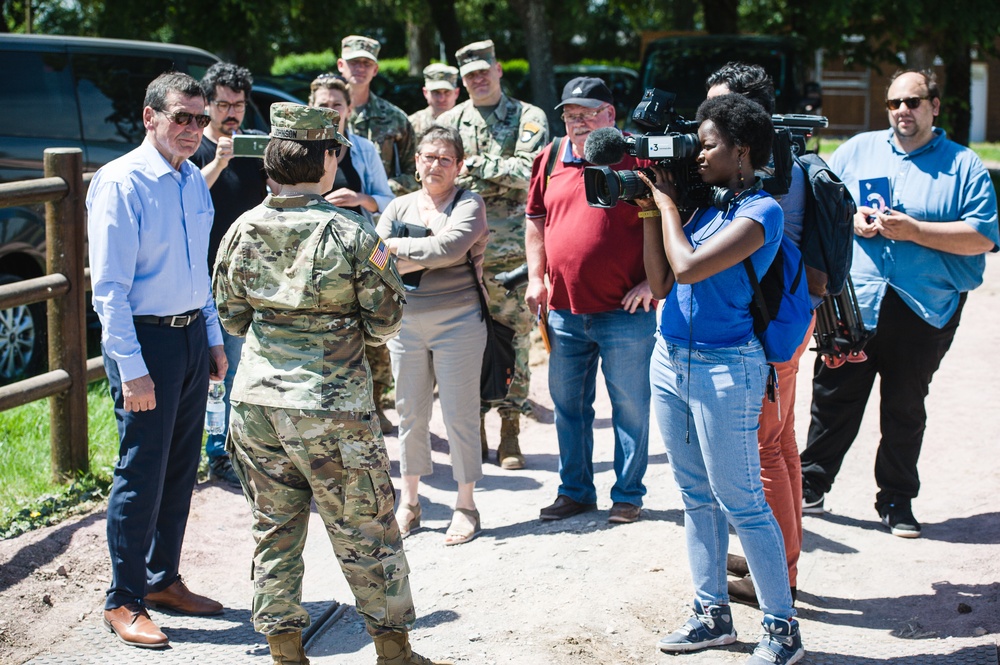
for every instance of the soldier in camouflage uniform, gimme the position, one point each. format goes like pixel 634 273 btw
pixel 501 137
pixel 310 285
pixel 441 92
pixel 385 125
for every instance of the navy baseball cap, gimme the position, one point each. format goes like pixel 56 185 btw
pixel 586 91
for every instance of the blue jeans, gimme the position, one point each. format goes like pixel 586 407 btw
pixel 623 342
pixel 714 396
pixel 215 444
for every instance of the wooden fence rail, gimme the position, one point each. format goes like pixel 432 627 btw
pixel 62 190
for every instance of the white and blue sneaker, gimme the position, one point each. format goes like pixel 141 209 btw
pixel 710 626
pixel 780 644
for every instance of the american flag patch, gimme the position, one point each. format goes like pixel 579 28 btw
pixel 380 255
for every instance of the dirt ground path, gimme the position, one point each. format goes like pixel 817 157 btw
pixel 582 591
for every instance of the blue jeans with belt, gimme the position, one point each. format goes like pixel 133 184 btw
pixel 623 343
pixel 707 402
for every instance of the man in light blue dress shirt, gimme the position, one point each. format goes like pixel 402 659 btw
pixel 150 214
pixel 927 215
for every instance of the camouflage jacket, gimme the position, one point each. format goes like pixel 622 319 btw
pixel 309 285
pixel 500 149
pixel 499 152
pixel 422 120
pixel 385 124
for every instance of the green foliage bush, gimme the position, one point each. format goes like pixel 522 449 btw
pixel 308 65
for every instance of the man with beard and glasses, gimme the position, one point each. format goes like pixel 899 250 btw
pixel 236 184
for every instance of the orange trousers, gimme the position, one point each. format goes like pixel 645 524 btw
pixel 780 470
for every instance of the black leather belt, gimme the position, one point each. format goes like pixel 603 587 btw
pixel 176 321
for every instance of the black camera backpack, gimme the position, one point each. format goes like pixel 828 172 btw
pixel 828 226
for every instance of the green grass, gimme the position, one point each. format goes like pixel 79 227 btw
pixel 28 496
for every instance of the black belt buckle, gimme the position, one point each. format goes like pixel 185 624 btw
pixel 180 320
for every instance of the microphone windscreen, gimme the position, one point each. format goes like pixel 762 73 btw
pixel 605 146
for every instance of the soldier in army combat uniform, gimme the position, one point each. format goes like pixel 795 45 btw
pixel 385 125
pixel 441 92
pixel 310 285
pixel 501 137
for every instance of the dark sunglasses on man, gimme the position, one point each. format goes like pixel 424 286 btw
pixel 912 103
pixel 184 118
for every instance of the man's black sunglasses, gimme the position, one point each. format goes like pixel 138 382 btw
pixel 184 118
pixel 911 103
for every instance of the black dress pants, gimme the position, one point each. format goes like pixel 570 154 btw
pixel 905 352
pixel 157 462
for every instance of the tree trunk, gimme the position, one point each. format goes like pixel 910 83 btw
pixel 683 12
pixel 445 18
pixel 956 103
pixel 538 43
pixel 721 17
pixel 419 45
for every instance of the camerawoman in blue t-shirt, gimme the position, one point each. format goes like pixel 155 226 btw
pixel 708 373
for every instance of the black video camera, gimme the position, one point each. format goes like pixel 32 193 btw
pixel 673 143
pixel 670 141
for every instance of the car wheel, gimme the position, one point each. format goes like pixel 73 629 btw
pixel 22 338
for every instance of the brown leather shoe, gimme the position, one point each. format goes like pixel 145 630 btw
pixel 132 625
pixel 624 513
pixel 737 565
pixel 179 598
pixel 564 507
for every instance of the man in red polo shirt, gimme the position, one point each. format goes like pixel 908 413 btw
pixel 599 308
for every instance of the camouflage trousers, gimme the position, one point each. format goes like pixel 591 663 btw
pixel 511 311
pixel 286 458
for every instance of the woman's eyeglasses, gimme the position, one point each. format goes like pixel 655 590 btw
pixel 444 161
pixel 911 103
pixel 184 118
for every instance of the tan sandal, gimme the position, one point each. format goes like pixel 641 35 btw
pixel 413 523
pixel 468 529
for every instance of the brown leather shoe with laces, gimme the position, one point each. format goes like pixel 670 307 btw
pixel 132 625
pixel 180 599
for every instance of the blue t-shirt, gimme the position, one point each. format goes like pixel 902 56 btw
pixel 939 182
pixel 715 312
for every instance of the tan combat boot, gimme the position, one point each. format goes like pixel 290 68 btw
pixel 286 649
pixel 394 649
pixel 482 437
pixel 509 451
pixel 378 393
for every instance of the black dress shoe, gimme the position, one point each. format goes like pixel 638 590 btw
pixel 565 507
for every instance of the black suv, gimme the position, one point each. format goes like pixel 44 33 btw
pixel 72 92
pixel 681 64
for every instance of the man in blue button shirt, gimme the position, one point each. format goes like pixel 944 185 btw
pixel 915 259
pixel 150 215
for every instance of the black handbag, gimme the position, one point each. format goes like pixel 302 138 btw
pixel 499 357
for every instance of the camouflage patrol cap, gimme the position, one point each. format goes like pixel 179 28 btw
pixel 356 46
pixel 305 123
pixel 440 77
pixel 476 56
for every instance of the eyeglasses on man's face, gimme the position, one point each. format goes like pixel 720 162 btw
pixel 184 118
pixel 912 103
pixel 237 107
pixel 577 118
pixel 443 160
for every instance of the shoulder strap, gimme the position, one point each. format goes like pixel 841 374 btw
pixel 758 296
pixel 454 201
pixel 554 153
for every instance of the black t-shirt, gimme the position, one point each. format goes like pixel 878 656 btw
pixel 347 176
pixel 241 185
